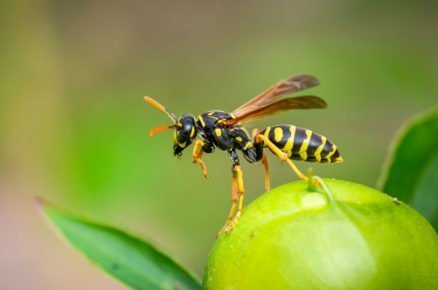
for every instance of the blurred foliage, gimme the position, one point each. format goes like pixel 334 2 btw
pixel 411 172
pixel 74 124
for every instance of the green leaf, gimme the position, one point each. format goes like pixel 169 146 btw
pixel 411 170
pixel 132 261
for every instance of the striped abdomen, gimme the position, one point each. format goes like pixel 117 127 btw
pixel 302 144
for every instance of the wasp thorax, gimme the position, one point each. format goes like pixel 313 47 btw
pixel 184 134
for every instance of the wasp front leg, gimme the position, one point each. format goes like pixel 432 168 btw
pixel 197 154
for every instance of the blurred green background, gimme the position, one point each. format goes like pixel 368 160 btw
pixel 74 126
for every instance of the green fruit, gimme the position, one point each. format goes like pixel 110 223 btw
pixel 352 237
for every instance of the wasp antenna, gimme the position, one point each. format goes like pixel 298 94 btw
pixel 160 128
pixel 161 108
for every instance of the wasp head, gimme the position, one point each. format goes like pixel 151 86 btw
pixel 185 128
pixel 184 134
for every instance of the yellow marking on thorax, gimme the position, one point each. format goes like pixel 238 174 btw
pixel 319 149
pixel 192 133
pixel 331 153
pixel 218 132
pixel 239 139
pixel 278 134
pixel 290 142
pixel 201 120
pixel 305 145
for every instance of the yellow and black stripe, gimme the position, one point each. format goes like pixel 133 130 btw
pixel 303 144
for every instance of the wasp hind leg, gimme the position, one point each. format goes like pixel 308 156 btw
pixel 282 155
pixel 197 154
pixel 265 164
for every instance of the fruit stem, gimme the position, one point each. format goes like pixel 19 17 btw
pixel 316 184
pixel 324 187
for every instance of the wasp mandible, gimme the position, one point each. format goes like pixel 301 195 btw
pixel 225 131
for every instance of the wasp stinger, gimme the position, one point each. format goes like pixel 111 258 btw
pixel 225 131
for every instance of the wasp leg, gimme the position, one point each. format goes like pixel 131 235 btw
pixel 265 164
pixel 254 133
pixel 233 206
pixel 240 189
pixel 282 155
pixel 197 154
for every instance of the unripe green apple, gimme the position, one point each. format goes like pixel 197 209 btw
pixel 351 237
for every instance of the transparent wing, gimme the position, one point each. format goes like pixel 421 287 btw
pixel 286 86
pixel 303 102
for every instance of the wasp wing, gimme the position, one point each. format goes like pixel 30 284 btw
pixel 286 86
pixel 303 102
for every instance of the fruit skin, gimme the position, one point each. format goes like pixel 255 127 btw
pixel 290 238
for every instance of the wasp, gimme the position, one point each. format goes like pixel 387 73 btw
pixel 219 129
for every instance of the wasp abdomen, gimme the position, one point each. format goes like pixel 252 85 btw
pixel 302 144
